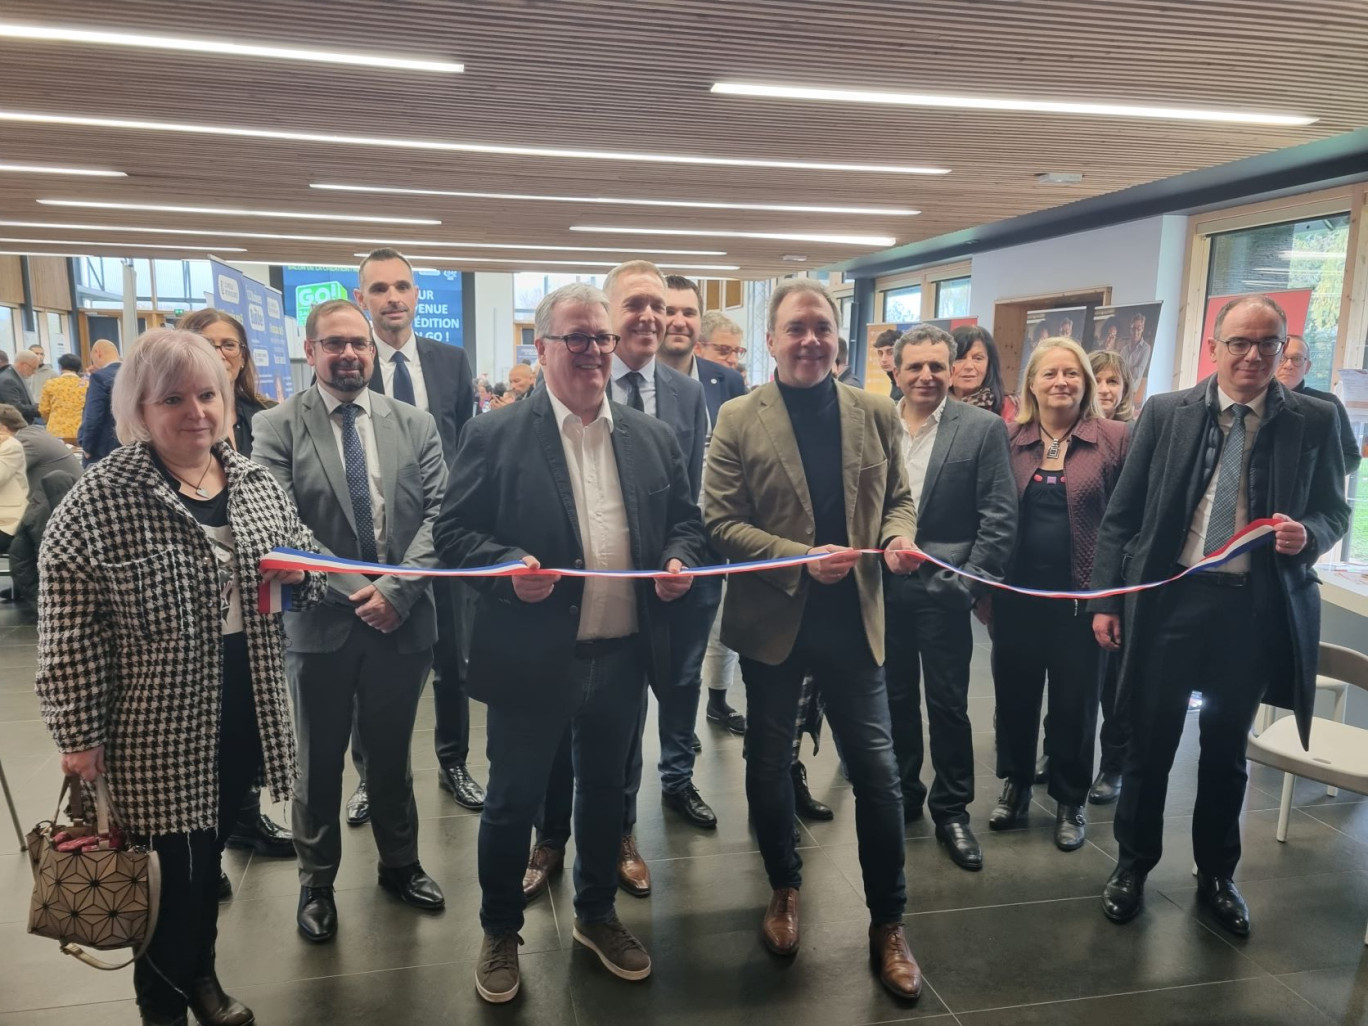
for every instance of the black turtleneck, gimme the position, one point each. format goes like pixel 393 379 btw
pixel 816 416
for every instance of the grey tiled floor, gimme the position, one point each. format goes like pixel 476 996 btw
pixel 1022 942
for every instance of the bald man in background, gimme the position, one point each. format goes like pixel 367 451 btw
pixel 96 437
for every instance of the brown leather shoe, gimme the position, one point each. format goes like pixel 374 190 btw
pixel 780 928
pixel 892 959
pixel 541 863
pixel 634 876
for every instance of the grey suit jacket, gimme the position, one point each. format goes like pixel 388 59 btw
pixel 295 441
pixel 680 403
pixel 967 510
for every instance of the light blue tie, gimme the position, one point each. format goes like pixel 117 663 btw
pixel 1221 525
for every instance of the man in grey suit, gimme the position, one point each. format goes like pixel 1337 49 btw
pixel 956 459
pixel 368 477
pixel 14 383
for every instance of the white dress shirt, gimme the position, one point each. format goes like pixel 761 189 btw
pixel 916 448
pixel 646 387
pixel 1195 545
pixel 693 373
pixel 384 353
pixel 363 428
pixel 608 606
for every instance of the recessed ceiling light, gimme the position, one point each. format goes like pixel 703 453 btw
pixel 355 240
pixel 48 169
pixel 387 142
pixel 219 47
pixel 1059 178
pixel 122 245
pixel 565 263
pixel 990 103
pixel 690 204
pixel 292 215
pixel 843 240
pixel 794 258
pixel 1312 254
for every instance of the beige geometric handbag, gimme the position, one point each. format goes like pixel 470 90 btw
pixel 89 885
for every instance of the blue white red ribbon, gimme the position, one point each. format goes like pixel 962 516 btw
pixel 274 597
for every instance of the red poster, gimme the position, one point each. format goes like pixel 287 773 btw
pixel 1295 304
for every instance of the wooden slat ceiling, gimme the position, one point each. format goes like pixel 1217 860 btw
pixel 622 75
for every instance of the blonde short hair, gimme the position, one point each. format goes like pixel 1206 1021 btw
pixel 715 322
pixel 160 361
pixel 1105 359
pixel 631 267
pixel 1030 409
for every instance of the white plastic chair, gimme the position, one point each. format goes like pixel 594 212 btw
pixel 1339 752
pixel 1269 713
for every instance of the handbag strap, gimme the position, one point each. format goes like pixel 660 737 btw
pixel 153 911
pixel 103 806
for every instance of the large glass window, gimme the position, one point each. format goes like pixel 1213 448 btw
pixel 1290 257
pixel 529 287
pixel 952 297
pixel 901 305
pixel 9 329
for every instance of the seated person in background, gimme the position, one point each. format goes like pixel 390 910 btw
pixel 62 401
pixel 14 378
pixel 46 460
pixel 13 475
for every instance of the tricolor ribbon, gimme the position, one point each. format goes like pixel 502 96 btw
pixel 275 598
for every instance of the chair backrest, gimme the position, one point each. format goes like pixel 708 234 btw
pixel 1340 663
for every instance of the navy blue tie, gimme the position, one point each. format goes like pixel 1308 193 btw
pixel 635 379
pixel 403 384
pixel 358 483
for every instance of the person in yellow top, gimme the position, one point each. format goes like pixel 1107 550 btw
pixel 63 399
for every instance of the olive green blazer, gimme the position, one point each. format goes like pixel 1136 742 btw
pixel 756 505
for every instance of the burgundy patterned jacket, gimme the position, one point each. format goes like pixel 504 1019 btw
pixel 1092 464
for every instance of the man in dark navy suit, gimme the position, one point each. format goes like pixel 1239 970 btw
pixel 96 436
pixel 436 378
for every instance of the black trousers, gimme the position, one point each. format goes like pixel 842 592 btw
pixel 1203 637
pixel 1115 729
pixel 182 948
pixel 1035 639
pixel 923 636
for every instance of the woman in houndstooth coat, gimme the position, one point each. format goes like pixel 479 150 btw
pixel 155 667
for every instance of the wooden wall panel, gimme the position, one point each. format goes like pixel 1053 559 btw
pixel 11 281
pixel 51 282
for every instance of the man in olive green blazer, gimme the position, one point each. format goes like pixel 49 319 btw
pixel 800 465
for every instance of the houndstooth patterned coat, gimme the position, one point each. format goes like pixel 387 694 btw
pixel 129 642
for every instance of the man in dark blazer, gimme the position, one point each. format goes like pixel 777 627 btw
pixel 1296 364
pixel 97 437
pixel 368 476
pixel 434 377
pixel 14 383
pixel 957 465
pixel 566 479
pixel 1204 463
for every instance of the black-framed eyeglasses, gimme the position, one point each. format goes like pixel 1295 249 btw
pixel 1267 346
pixel 579 341
pixel 335 345
pixel 228 347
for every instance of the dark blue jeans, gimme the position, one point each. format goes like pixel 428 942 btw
pixel 857 709
pixel 522 744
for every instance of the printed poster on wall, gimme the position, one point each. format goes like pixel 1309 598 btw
pixel 260 308
pixel 1295 303
pixel 876 376
pixel 1129 332
pixel 1067 321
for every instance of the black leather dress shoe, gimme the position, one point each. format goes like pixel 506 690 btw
pixel 1124 895
pixel 1012 806
pixel 1070 827
pixel 962 845
pixel 1106 789
pixel 358 806
pixel 264 836
pixel 725 716
pixel 225 887
pixel 804 804
pixel 690 806
pixel 317 915
pixel 212 1007
pixel 412 886
pixel 457 781
pixel 1225 902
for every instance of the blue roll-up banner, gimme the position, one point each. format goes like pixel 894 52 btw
pixel 261 310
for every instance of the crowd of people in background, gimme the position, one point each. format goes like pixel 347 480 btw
pixel 635 443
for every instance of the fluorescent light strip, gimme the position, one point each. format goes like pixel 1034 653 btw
pixel 292 215
pixel 48 169
pixel 311 262
pixel 123 245
pixel 352 240
pixel 988 103
pixel 844 240
pixel 387 142
pixel 690 204
pixel 567 263
pixel 219 47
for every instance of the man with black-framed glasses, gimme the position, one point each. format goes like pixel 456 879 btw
pixel 1203 464
pixel 1292 372
pixel 367 474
